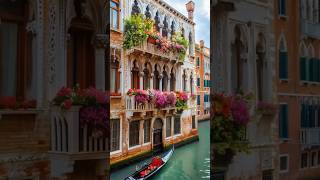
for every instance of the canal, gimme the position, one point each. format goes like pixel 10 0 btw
pixel 188 162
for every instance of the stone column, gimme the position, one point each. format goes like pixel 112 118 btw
pixel 151 81
pixel 160 85
pixel 141 74
pixel 141 132
pixel 101 44
pixel 160 28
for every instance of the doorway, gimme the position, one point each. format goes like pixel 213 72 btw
pixel 157 135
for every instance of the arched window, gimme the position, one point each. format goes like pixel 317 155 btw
pixel 115 76
pixel 303 62
pixel 173 28
pixel 15 49
pixel 164 80
pixel 157 22
pixel 146 77
pixel 237 64
pixel 182 32
pixel 190 43
pixel 156 78
pixel 184 81
pixel 283 59
pixel 135 8
pixel 135 80
pixel 260 51
pixel 191 83
pixel 165 27
pixel 172 81
pixel 147 13
pixel 80 69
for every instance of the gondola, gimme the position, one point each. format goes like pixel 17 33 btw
pixel 152 168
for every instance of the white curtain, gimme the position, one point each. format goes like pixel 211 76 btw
pixel 8 58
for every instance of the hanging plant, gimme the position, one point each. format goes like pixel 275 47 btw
pixel 136 30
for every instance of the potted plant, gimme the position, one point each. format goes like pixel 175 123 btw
pixel 136 30
pixel 92 105
pixel 230 117
pixel 11 102
pixel 182 99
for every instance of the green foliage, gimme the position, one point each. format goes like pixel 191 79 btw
pixel 178 38
pixel 136 30
pixel 181 105
pixel 226 135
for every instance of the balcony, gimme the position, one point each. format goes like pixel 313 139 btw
pixel 152 50
pixel 71 142
pixel 310 29
pixel 310 136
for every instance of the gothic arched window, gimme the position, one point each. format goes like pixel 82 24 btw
pixel 164 80
pixel 172 81
pixel 191 83
pixel 283 59
pixel 115 75
pixel 173 28
pixel 135 8
pixel 135 76
pixel 147 13
pixel 184 81
pixel 182 32
pixel 190 43
pixel 157 21
pixel 156 78
pixel 165 27
pixel 146 77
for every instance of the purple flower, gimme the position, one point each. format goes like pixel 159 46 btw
pixel 171 99
pixel 240 112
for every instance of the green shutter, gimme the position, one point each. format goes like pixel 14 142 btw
pixel 303 117
pixel 283 121
pixel 303 66
pixel 283 65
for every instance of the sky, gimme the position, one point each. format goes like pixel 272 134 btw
pixel 201 17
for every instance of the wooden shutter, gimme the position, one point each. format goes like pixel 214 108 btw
pixel 283 121
pixel 283 65
pixel 303 69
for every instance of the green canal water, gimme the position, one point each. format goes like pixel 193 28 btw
pixel 189 162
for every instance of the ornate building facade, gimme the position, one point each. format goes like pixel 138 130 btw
pixel 203 81
pixel 45 45
pixel 243 60
pixel 137 130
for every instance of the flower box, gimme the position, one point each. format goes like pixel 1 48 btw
pixel 151 40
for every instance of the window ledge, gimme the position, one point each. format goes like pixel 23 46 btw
pixel 116 97
pixel 283 16
pixel 116 30
pixel 284 140
pixel 284 80
pixel 19 111
pixel 304 83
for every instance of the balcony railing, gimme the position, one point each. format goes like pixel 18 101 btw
pixel 132 105
pixel 70 138
pixel 310 136
pixel 310 29
pixel 152 49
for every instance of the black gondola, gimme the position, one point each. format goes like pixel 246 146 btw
pixel 149 170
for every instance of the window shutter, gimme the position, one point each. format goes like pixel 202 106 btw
pixel 318 69
pixel 198 100
pixel 311 70
pixel 283 65
pixel 283 121
pixel 303 69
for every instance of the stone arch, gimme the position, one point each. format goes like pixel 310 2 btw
pixel 311 52
pixel 303 49
pixel 136 5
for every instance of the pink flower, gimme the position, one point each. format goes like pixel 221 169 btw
pixel 64 91
pixel 240 112
pixel 99 96
pixel 67 104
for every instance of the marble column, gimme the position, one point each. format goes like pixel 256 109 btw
pixel 169 84
pixel 100 42
pixel 160 85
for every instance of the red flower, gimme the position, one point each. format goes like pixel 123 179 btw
pixel 64 91
pixel 67 104
pixel 8 102
pixel 29 104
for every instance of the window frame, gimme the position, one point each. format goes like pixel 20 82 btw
pixel 287 121
pixel 111 136
pixel 131 146
pixel 118 14
pixel 287 163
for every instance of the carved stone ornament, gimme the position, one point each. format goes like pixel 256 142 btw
pixel 32 27
pixel 100 41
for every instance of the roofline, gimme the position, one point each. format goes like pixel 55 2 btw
pixel 174 11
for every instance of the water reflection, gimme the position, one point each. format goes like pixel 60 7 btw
pixel 187 163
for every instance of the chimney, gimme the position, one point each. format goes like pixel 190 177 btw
pixel 190 9
pixel 201 44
